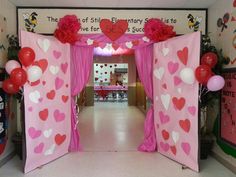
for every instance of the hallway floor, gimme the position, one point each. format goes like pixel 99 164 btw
pixel 110 134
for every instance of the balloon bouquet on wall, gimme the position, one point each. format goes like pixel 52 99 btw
pixel 19 75
pixel 206 77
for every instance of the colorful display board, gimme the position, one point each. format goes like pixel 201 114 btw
pixel 175 101
pixel 47 102
pixel 228 107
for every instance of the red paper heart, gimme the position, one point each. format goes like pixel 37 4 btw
pixel 34 83
pixel 64 98
pixel 101 66
pixel 51 94
pixel 113 31
pixel 185 125
pixel 173 149
pixel 234 4
pixel 43 114
pixel 2 147
pixel 135 42
pixel 165 134
pixel 96 78
pixel 59 139
pixel 44 82
pixel 183 55
pixel 43 64
pixel 178 102
pixel 95 44
pixel 105 64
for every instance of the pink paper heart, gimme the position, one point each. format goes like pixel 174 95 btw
pixel 30 109
pixel 59 116
pixel 164 146
pixel 64 67
pixel 56 54
pixel 164 118
pixel 177 80
pixel 186 148
pixel 33 133
pixel 172 67
pixel 58 83
pixel 192 110
pixel 39 149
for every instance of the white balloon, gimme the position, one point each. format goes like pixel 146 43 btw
pixel 187 75
pixel 34 73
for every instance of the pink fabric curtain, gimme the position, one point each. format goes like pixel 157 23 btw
pixel 144 63
pixel 81 64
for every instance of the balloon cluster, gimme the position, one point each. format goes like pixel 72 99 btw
pixel 204 74
pixel 18 75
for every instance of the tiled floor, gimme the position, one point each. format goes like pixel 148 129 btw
pixel 110 134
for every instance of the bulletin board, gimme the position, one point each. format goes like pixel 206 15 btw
pixel 228 107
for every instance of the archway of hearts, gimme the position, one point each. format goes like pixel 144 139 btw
pixel 165 67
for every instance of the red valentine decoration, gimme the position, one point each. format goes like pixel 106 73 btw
pixel 157 30
pixel 209 59
pixel 234 3
pixel 203 73
pixel 69 23
pixel 68 29
pixel 18 77
pixel 113 30
pixel 9 87
pixel 66 36
pixel 43 64
pixel 26 56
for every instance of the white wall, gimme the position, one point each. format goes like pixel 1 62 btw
pixel 8 10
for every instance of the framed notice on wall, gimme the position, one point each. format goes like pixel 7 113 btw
pixel 44 20
pixel 228 107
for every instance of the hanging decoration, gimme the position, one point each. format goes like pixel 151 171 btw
pixel 156 30
pixel 67 31
pixel 113 30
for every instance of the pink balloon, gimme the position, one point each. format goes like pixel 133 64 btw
pixel 11 65
pixel 215 83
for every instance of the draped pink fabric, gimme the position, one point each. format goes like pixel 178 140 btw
pixel 82 59
pixel 81 64
pixel 144 63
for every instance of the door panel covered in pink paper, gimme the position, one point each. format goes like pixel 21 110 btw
pixel 47 102
pixel 176 98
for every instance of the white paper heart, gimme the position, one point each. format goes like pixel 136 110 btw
pixel 34 96
pixel 158 73
pixel 129 45
pixel 165 99
pixel 165 51
pixel 50 150
pixel 44 44
pixel 109 46
pixel 89 41
pixel 175 136
pixel 47 133
pixel 179 90
pixel 145 39
pixel 54 69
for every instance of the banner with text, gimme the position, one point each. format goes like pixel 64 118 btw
pixel 44 20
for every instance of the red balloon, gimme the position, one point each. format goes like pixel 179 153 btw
pixel 203 73
pixel 209 59
pixel 26 56
pixel 9 87
pixel 18 76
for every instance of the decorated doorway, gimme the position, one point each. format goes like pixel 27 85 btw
pixel 65 74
